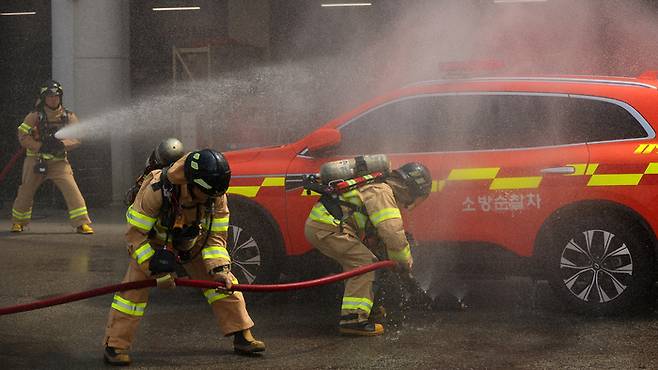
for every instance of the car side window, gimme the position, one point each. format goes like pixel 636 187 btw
pixel 392 128
pixel 465 121
pixel 450 123
pixel 588 120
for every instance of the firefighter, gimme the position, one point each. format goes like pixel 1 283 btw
pixel 180 215
pixel 47 159
pixel 374 214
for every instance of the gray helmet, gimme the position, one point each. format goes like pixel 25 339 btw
pixel 168 151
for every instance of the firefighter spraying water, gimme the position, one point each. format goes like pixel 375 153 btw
pixel 46 159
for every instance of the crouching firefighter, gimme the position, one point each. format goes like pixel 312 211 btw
pixel 180 215
pixel 338 226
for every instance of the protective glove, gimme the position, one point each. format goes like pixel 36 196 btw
pixel 163 261
pixel 220 274
pixel 166 281
pixel 406 266
pixel 52 145
pixel 411 239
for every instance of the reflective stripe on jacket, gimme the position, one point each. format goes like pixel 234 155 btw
pixel 383 214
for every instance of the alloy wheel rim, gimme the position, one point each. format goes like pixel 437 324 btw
pixel 596 266
pixel 245 254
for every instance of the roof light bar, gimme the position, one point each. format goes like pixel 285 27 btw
pixel 335 5
pixel 176 8
pixel 19 13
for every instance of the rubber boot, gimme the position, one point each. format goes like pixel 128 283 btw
pixel 84 229
pixel 116 356
pixel 244 343
pixel 350 326
pixel 16 228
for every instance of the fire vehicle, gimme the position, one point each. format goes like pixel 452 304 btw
pixel 561 171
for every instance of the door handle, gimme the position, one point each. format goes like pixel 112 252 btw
pixel 564 170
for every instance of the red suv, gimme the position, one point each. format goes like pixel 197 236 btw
pixel 561 170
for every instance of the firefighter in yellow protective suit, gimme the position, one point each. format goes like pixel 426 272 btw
pixel 46 159
pixel 375 213
pixel 180 212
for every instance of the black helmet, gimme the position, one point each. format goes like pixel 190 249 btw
pixel 168 151
pixel 209 170
pixel 50 88
pixel 417 178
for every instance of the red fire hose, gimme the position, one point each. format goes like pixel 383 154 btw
pixel 10 164
pixel 195 284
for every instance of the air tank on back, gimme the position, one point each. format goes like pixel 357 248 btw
pixel 349 168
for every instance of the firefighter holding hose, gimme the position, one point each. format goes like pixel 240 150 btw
pixel 180 215
pixel 339 226
pixel 47 159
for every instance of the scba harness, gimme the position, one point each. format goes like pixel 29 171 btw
pixel 330 194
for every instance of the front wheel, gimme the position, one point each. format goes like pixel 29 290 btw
pixel 252 245
pixel 601 263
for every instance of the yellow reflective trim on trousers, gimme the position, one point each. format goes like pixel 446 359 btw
pixel 384 214
pixel 274 181
pixel 25 128
pixel 143 253
pixel 485 173
pixel 219 224
pixel 139 220
pixel 652 169
pixel 212 295
pixel 247 191
pixel 215 251
pixel 356 303
pixel 615 179
pixel 77 212
pixel 401 255
pixel 21 215
pixel 505 183
pixel 129 308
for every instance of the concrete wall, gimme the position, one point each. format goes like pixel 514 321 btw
pixel 91 59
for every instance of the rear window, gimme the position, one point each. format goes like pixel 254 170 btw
pixel 486 121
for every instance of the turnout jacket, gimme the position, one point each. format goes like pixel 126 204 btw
pixel 377 210
pixel 30 138
pixel 146 221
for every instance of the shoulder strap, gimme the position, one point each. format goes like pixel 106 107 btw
pixel 170 193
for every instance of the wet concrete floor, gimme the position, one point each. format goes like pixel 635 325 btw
pixel 504 328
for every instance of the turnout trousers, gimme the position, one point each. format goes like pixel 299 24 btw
pixel 350 253
pixel 129 306
pixel 59 172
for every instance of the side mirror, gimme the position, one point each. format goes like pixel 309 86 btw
pixel 322 139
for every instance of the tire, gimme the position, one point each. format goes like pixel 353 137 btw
pixel 600 262
pixel 252 244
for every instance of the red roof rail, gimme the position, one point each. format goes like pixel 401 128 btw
pixel 648 75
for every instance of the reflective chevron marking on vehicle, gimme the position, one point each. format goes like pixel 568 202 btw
pixel 462 174
pixel 274 181
pixel 505 183
pixel 615 179
pixel 645 149
pixel 476 174
pixel 583 169
pixel 652 169
pixel 251 191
